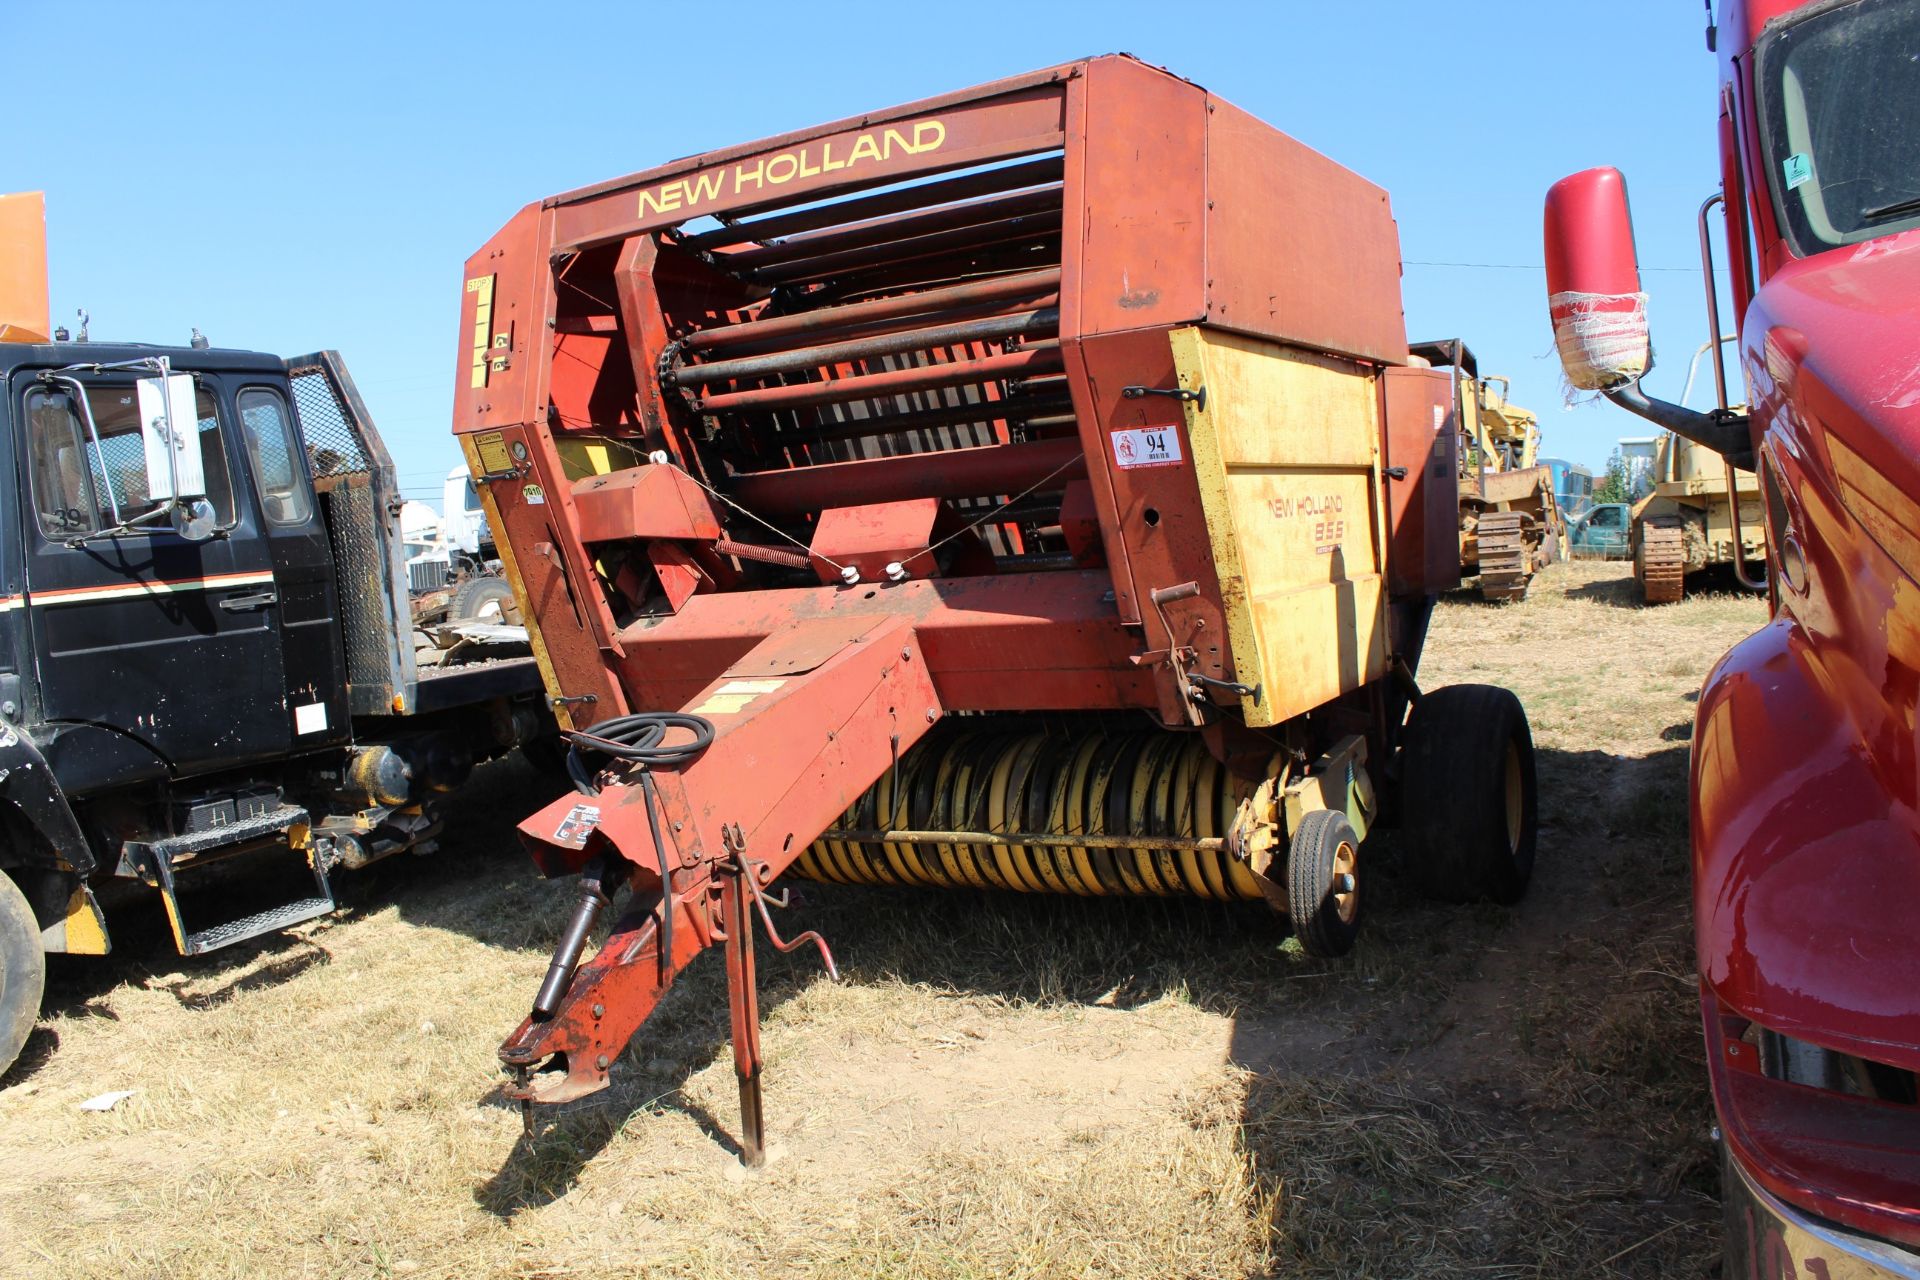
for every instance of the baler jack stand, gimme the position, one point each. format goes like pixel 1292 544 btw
pixel 742 878
pixel 743 1001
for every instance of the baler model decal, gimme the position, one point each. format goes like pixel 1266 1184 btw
pixel 77 595
pixel 757 177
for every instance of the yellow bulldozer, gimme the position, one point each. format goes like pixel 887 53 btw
pixel 1510 524
pixel 1683 519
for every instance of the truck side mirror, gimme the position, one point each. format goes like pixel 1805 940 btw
pixel 1593 281
pixel 1600 312
pixel 170 429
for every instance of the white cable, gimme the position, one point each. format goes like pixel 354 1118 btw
pixel 969 527
pixel 660 458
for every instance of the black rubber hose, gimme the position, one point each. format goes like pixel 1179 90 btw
pixel 640 740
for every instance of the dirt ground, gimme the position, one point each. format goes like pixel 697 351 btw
pixel 999 1087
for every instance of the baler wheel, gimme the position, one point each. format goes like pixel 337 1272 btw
pixel 1469 794
pixel 1323 869
pixel 1505 563
pixel 23 970
pixel 1661 562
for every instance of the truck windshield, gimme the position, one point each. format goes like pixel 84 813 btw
pixel 78 487
pixel 1840 101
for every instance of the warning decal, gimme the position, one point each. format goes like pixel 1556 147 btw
pixel 1147 447
pixel 492 449
pixel 577 825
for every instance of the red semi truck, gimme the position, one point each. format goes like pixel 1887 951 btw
pixel 1805 783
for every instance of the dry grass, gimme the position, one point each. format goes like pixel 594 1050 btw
pixel 1000 1088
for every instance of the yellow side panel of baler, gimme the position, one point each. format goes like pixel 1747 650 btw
pixel 1286 454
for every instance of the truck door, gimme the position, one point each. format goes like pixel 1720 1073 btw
pixel 1607 529
pixel 310 634
pixel 138 630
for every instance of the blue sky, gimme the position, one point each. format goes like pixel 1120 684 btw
pixel 294 177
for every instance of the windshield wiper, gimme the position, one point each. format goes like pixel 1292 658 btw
pixel 1909 205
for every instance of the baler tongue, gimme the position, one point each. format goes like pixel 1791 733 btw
pixel 798 727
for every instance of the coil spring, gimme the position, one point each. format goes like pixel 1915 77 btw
pixel 1134 783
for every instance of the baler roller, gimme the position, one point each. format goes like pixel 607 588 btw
pixel 910 228
pixel 880 315
pixel 902 252
pixel 1096 814
pixel 1039 358
pixel 1011 177
pixel 1034 411
pixel 1040 322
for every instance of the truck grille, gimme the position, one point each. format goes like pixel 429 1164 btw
pixel 427 575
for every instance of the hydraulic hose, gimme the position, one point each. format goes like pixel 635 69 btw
pixel 639 740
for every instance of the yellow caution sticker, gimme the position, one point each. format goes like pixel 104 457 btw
pixel 492 449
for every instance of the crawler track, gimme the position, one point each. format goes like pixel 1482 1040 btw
pixel 1505 561
pixel 1661 564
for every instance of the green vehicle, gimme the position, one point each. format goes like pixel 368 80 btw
pixel 1601 533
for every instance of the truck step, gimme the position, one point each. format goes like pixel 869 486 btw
pixel 221 935
pixel 174 849
pixel 153 861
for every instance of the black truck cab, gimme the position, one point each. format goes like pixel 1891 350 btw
pixel 208 649
pixel 141 654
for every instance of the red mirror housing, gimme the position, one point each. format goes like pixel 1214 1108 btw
pixel 1593 281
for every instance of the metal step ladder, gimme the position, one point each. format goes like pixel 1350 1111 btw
pixel 158 861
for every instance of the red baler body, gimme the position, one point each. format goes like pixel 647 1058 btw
pixel 828 436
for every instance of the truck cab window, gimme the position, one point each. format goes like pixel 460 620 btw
pixel 270 446
pixel 1837 88
pixel 76 487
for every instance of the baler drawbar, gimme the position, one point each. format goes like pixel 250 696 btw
pixel 1028 488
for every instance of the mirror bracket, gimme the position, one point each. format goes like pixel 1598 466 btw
pixel 1725 431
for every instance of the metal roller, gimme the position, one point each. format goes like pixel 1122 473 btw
pixel 1097 814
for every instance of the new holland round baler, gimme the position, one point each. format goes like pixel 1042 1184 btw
pixel 1028 488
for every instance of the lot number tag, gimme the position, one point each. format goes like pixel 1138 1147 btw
pixel 1147 447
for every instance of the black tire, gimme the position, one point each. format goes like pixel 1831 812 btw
pixel 482 600
pixel 1326 914
pixel 1468 794
pixel 548 754
pixel 23 970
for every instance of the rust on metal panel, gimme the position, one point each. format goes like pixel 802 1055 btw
pixel 1299 249
pixel 1144 183
pixel 647 501
pixel 1286 454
